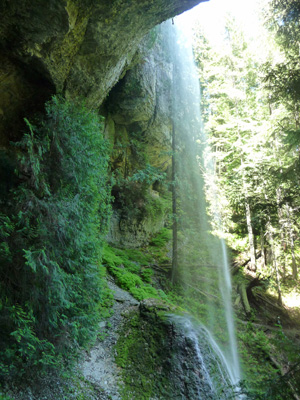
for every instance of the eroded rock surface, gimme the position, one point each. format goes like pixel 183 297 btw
pixel 144 351
pixel 140 105
pixel 139 125
pixel 79 47
pixel 164 356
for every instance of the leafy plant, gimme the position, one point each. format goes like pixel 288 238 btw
pixel 147 274
pixel 52 235
pixel 148 175
pixel 128 274
pixel 162 238
pixel 132 182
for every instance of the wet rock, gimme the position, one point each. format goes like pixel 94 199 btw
pixel 155 305
pixel 162 357
pixel 133 233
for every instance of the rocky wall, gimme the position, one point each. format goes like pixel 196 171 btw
pixel 76 47
pixel 139 126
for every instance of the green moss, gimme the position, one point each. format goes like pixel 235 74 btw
pixel 131 267
pixel 147 274
pixel 144 377
pixel 140 256
pixel 144 292
pixel 162 238
pixel 133 283
pixel 129 258
pixel 128 274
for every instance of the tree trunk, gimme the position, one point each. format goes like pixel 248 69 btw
pixel 252 266
pixel 277 279
pixel 282 229
pixel 275 262
pixel 251 237
pixel 262 246
pixel 244 298
pixel 291 236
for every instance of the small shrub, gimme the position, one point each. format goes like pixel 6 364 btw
pixel 147 275
pixel 126 275
pixel 162 238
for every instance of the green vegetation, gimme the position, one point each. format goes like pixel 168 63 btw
pixel 263 376
pixel 161 239
pixel 133 180
pixel 159 248
pixel 255 352
pixel 131 267
pixel 52 228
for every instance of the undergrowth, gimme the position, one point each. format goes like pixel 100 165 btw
pixel 129 275
pixel 263 379
pixel 52 227
pixel 131 268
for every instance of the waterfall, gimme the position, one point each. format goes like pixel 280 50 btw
pixel 203 270
pixel 215 381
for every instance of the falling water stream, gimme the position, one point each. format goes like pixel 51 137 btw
pixel 203 269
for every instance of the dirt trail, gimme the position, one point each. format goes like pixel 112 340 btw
pixel 99 366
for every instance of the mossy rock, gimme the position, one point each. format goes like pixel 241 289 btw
pixel 139 355
pixel 156 306
pixel 158 359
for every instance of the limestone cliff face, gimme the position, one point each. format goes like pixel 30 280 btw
pixel 139 125
pixel 96 50
pixel 141 102
pixel 78 47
